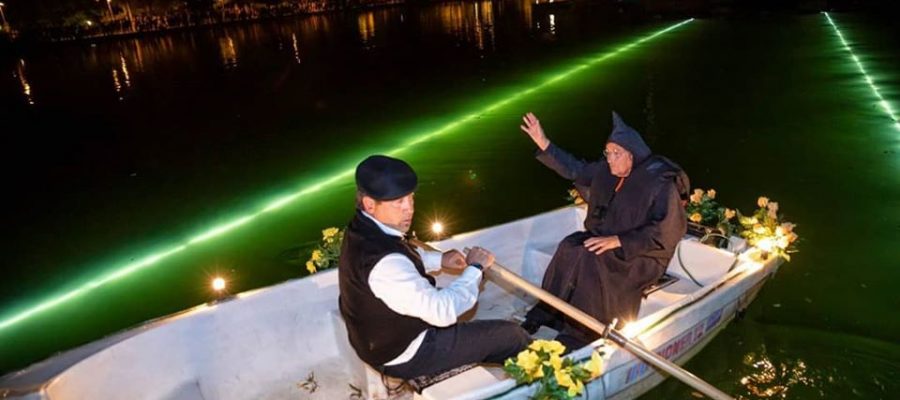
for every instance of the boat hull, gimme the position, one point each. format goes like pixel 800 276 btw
pixel 282 341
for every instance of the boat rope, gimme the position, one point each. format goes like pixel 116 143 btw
pixel 685 268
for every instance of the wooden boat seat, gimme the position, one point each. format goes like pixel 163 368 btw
pixel 370 381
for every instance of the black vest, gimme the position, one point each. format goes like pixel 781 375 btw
pixel 377 333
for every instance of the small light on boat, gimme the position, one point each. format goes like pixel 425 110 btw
pixel 218 284
pixel 632 329
pixel 437 227
pixel 766 245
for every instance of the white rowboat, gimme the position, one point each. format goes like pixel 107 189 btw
pixel 288 340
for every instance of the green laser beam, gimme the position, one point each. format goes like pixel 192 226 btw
pixel 286 200
pixel 869 81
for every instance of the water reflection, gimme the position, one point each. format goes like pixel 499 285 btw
pixel 466 22
pixel 484 23
pixel 366 23
pixel 526 12
pixel 228 52
pixel 296 47
pixel 469 24
pixel 26 87
pixel 125 82
pixel 771 380
pixel 116 84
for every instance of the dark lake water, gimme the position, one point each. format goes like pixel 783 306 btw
pixel 122 150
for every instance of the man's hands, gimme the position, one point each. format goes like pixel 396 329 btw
pixel 454 260
pixel 600 244
pixel 533 128
pixel 478 255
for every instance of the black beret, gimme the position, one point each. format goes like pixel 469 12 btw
pixel 385 178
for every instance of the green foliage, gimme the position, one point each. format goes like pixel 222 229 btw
pixel 704 210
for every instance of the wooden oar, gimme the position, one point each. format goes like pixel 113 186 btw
pixel 500 274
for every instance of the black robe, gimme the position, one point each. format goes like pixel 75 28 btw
pixel 647 215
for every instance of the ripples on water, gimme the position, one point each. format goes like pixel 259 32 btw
pixel 766 379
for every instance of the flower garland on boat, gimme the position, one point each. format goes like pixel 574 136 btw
pixel 327 252
pixel 765 230
pixel 704 210
pixel 560 378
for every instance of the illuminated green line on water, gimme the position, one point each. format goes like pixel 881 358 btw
pixel 881 100
pixel 283 201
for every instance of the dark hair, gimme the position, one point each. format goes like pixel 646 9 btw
pixel 359 199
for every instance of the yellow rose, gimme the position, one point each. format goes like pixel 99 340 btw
pixel 311 267
pixel 779 231
pixel 329 233
pixel 772 214
pixel 772 206
pixel 696 198
pixel 538 373
pixel 698 192
pixel 711 193
pixel 576 196
pixel 729 213
pixel 555 362
pixel 762 201
pixel 788 227
pixel 792 237
pixel 759 229
pixel 595 366
pixel 529 361
pixel 547 346
pixel 563 378
pixel 316 255
pixel 696 217
pixel 576 390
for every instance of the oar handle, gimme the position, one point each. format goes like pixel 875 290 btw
pixel 498 273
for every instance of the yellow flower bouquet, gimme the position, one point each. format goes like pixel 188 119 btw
pixel 575 197
pixel 560 378
pixel 327 252
pixel 766 230
pixel 707 218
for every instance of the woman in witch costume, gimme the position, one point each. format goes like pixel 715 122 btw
pixel 635 220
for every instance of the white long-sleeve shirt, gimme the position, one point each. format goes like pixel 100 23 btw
pixel 395 280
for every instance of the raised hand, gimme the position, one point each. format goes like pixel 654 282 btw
pixel 533 128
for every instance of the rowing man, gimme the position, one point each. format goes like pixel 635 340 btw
pixel 398 321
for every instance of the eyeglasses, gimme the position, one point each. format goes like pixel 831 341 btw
pixel 613 154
